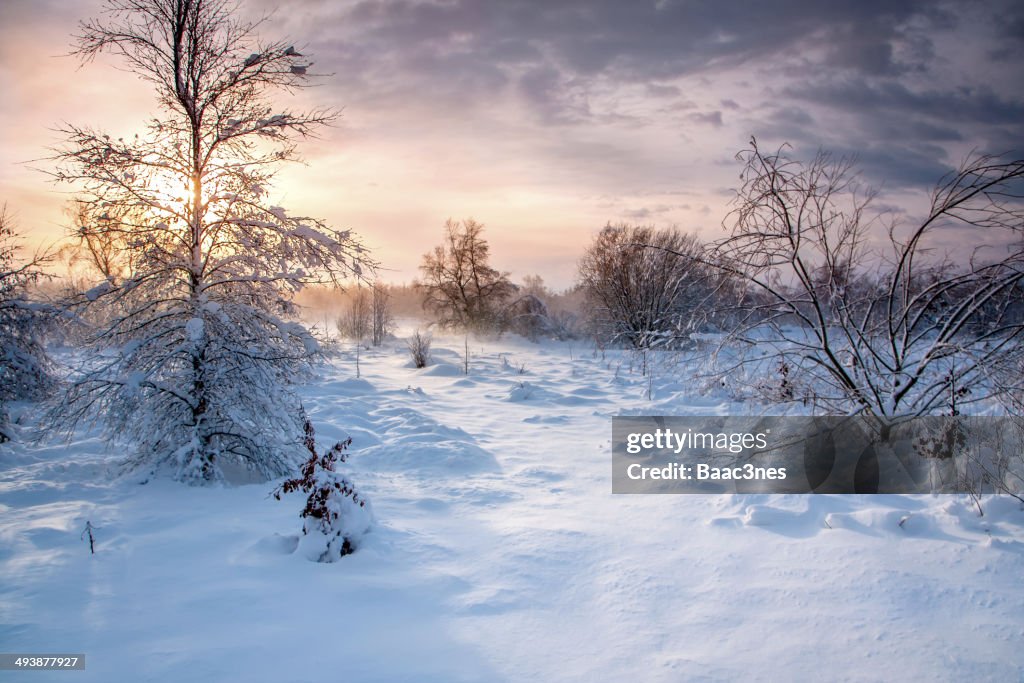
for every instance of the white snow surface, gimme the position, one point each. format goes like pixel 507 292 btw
pixel 499 552
pixel 194 329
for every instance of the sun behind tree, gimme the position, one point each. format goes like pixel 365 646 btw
pixel 202 342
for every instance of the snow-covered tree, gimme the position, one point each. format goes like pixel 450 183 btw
pixel 194 364
pixel 888 332
pixel 24 368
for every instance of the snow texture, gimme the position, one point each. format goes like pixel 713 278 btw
pixel 499 553
pixel 194 329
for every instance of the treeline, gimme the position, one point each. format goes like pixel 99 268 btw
pixel 809 287
pixel 816 298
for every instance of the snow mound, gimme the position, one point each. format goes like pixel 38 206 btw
pixel 277 544
pixel 347 387
pixel 354 521
pixel 547 419
pixel 875 520
pixel 443 370
pixel 528 391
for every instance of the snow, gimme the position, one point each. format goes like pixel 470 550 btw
pixel 194 330
pixel 98 291
pixel 306 232
pixel 499 552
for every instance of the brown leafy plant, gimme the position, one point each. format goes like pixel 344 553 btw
pixel 336 515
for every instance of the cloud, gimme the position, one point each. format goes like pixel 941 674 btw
pixel 554 98
pixel 452 100
pixel 645 212
pixel 659 90
pixel 978 103
pixel 559 61
pixel 895 166
pixel 711 118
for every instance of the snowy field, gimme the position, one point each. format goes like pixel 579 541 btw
pixel 500 553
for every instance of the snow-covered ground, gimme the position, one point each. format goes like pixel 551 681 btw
pixel 500 553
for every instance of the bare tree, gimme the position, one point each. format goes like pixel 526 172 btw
pixel 646 287
pixel 383 322
pixel 102 250
pixel 357 319
pixel 355 324
pixel 459 286
pixel 890 332
pixel 195 364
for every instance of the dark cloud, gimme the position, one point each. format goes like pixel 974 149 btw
pixel 968 103
pixel 554 98
pixel 789 123
pixel 791 115
pixel 659 90
pixel 1008 28
pixel 893 166
pixel 470 42
pixel 711 118
pixel 906 135
pixel 581 96
pixel 874 59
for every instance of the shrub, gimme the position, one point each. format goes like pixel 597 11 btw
pixel 419 347
pixel 336 516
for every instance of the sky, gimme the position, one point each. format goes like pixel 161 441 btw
pixel 545 120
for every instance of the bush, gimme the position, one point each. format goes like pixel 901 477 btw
pixel 336 516
pixel 876 326
pixel 646 287
pixel 419 347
